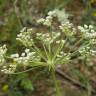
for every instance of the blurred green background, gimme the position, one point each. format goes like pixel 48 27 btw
pixel 14 15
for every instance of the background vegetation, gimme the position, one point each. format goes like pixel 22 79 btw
pixel 14 15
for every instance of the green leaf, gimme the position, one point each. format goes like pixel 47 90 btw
pixel 27 84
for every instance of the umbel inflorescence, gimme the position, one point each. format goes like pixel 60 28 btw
pixel 57 45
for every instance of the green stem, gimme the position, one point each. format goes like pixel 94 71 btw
pixel 89 88
pixel 21 72
pixel 76 44
pixel 39 52
pixel 58 92
pixel 47 55
pixel 49 48
pixel 58 50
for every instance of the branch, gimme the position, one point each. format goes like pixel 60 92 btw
pixel 73 81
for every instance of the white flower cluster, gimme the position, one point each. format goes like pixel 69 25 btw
pixel 3 51
pixel 88 31
pixel 87 54
pixel 93 41
pixel 25 37
pixel 67 28
pixel 66 25
pixel 9 69
pixel 26 57
pixel 48 38
pixel 60 41
pixel 62 15
pixel 63 57
pixel 87 51
pixel 48 20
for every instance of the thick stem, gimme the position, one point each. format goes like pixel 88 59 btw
pixel 58 92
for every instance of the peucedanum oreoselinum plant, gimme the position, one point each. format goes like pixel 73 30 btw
pixel 57 44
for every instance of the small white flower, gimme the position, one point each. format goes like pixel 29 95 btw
pixel 27 50
pixel 38 34
pixel 12 56
pixel 58 34
pixel 63 41
pixel 15 55
pixel 92 31
pixel 52 13
pixel 90 26
pixel 85 26
pixel 41 20
pixel 67 22
pixel 47 23
pixel 58 42
pixel 62 52
pixel 48 18
pixel 47 34
pixel 23 54
pixel 29 30
pixel 19 35
pixel 81 29
pixel 59 56
pixel 47 39
pixel 23 29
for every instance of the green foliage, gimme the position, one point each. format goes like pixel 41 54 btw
pixel 2 5
pixel 59 44
pixel 14 93
pixel 26 84
pixel 18 83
